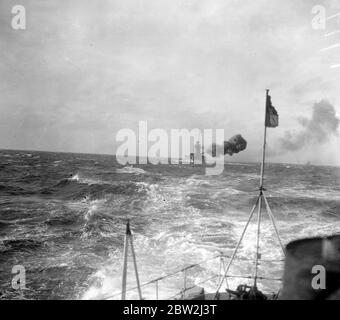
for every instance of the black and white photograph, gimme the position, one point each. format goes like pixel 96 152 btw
pixel 177 150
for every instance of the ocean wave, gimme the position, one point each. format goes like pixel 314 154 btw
pixel 61 221
pixel 14 190
pixel 14 245
pixel 82 180
pixel 74 178
pixel 199 182
pixel 130 170
pixel 86 180
pixel 57 162
pixel 77 188
pixel 93 206
pixel 304 192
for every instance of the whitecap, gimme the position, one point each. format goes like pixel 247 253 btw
pixel 74 178
pixel 131 170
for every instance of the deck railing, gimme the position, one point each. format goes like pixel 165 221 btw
pixel 182 293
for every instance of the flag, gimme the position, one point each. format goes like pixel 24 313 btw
pixel 272 117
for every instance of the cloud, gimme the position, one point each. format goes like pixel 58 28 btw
pixel 84 68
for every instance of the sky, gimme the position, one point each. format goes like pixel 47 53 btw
pixel 82 70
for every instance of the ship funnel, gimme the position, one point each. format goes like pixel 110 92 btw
pixel 312 269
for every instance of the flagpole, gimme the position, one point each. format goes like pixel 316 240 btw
pixel 260 195
pixel 264 143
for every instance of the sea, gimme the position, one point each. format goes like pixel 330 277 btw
pixel 63 219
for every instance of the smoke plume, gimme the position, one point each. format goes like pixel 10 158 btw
pixel 234 145
pixel 316 131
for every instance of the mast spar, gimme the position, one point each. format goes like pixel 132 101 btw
pixel 128 239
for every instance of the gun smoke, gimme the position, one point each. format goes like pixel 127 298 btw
pixel 316 131
pixel 234 145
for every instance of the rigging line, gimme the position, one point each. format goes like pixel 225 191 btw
pixel 247 259
pixel 333 16
pixel 271 216
pixel 195 265
pixel 258 238
pixel 334 46
pixel 262 260
pixel 251 277
pixel 194 286
pixel 331 213
pixel 163 277
pixel 238 244
pixel 222 264
pixel 332 33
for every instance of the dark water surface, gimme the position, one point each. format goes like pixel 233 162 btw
pixel 68 232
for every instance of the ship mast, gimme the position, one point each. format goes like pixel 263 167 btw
pixel 258 204
pixel 261 189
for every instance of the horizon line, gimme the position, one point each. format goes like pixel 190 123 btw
pixel 114 155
